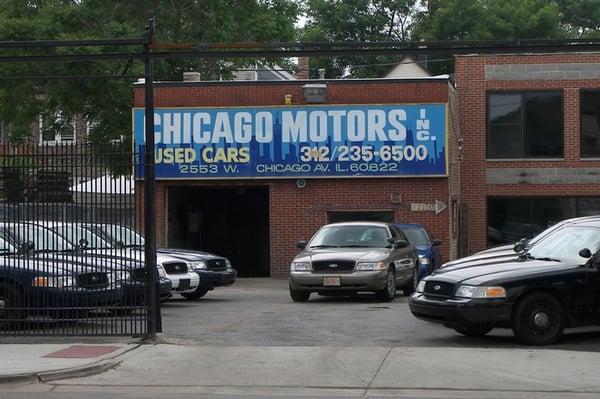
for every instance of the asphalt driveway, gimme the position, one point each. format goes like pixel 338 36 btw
pixel 259 312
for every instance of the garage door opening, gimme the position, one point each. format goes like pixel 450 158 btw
pixel 231 222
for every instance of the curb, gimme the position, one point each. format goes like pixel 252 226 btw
pixel 86 370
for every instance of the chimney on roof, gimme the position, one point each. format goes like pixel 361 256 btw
pixel 302 73
pixel 191 76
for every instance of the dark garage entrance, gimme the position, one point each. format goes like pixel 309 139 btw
pixel 232 222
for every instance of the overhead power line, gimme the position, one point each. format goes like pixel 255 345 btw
pixel 284 50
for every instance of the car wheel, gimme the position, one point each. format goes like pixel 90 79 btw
pixel 538 319
pixel 197 294
pixel 10 298
pixel 299 295
pixel 389 292
pixel 473 331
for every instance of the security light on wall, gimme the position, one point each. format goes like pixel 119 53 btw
pixel 315 93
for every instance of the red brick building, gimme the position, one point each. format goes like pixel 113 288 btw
pixel 257 221
pixel 530 130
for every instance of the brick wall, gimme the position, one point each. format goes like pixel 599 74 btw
pixel 252 93
pixel 296 213
pixel 475 75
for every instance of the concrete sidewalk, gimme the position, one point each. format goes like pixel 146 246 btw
pixel 46 362
pixel 348 371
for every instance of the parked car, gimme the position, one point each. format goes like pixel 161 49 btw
pixel 212 270
pixel 532 241
pixel 36 286
pixel 173 275
pixel 508 252
pixel 428 248
pixel 553 285
pixel 346 258
pixel 40 242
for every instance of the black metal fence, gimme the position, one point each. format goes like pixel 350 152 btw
pixel 71 260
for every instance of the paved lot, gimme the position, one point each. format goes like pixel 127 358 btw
pixel 259 312
pixel 251 341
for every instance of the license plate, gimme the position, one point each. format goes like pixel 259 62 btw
pixel 184 284
pixel 331 282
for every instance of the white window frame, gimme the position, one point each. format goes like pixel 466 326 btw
pixel 58 140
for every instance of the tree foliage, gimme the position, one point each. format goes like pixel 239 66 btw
pixel 108 102
pixel 580 18
pixel 357 21
pixel 490 20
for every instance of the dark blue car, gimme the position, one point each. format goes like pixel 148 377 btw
pixel 428 248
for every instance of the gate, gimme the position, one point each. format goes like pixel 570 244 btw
pixel 72 260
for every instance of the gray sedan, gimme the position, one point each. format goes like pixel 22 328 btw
pixel 346 258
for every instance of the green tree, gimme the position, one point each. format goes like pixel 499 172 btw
pixel 490 19
pixel 580 17
pixel 108 102
pixel 357 21
pixel 485 20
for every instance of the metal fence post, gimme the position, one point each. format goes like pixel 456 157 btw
pixel 153 317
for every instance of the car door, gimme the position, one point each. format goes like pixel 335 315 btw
pixel 435 249
pixel 593 283
pixel 403 258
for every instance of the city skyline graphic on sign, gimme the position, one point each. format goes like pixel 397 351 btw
pixel 277 152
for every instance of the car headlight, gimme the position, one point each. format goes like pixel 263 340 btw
pixel 54 282
pixel 370 266
pixel 425 261
pixel 228 264
pixel 300 267
pixel 421 286
pixel 200 264
pixel 120 275
pixel 469 291
pixel 161 271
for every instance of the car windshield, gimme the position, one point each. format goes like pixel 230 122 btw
pixel 76 233
pixel 43 239
pixel 351 236
pixel 6 247
pixel 416 236
pixel 544 233
pixel 565 244
pixel 127 236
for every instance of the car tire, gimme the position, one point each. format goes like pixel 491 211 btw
pixel 11 298
pixel 388 293
pixel 412 284
pixel 473 331
pixel 196 294
pixel 538 319
pixel 299 295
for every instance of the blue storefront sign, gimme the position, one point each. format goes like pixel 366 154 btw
pixel 301 141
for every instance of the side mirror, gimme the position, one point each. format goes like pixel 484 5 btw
pixel 301 244
pixel 83 243
pixel 520 245
pixel 399 244
pixel 585 253
pixel 436 243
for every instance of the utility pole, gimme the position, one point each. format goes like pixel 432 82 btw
pixel 153 303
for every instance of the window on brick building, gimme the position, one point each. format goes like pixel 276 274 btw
pixel 513 218
pixel 590 123
pixel 360 216
pixel 525 125
pixel 56 129
pixel 3 133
